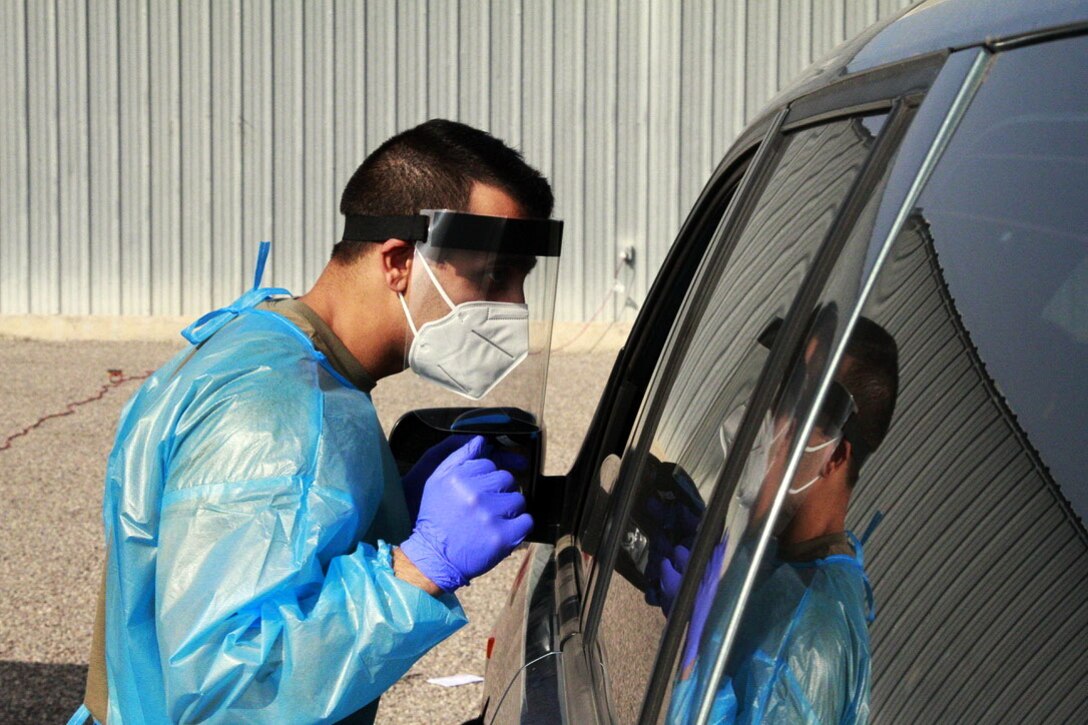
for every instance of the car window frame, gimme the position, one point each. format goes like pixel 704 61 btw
pixel 773 368
pixel 584 692
pixel 636 361
pixel 709 270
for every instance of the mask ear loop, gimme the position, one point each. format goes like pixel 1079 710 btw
pixel 434 279
pixel 813 449
pixel 437 286
pixel 407 314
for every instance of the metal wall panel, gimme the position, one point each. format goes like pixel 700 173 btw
pixel 73 157
pixel 598 200
pixel 134 192
pixel 228 130
pixel 103 280
pixel 148 145
pixel 196 85
pixel 14 165
pixel 258 163
pixel 164 127
pixel 43 205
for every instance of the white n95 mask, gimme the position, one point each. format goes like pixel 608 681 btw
pixel 470 350
pixel 755 468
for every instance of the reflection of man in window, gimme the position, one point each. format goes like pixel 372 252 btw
pixel 802 649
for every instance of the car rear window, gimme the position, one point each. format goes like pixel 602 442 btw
pixel 979 568
pixel 1009 218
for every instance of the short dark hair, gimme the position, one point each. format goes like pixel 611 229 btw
pixel 434 166
pixel 871 374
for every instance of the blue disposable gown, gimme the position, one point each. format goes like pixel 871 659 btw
pixel 802 650
pixel 248 494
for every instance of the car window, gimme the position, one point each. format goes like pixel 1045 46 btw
pixel 929 560
pixel 677 463
pixel 704 679
pixel 982 557
pixel 632 373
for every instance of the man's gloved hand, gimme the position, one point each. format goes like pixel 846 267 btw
pixel 675 526
pixel 672 571
pixel 470 518
pixel 416 478
pixel 668 572
pixel 414 481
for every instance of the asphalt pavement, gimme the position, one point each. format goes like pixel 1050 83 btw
pixel 51 531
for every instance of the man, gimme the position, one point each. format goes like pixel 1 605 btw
pixel 252 505
pixel 801 652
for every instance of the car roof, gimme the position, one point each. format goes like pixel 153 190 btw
pixel 928 27
pixel 934 26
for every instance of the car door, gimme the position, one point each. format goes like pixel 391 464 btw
pixel 822 187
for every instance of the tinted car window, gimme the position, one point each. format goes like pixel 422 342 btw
pixel 679 462
pixel 972 347
pixel 783 630
pixel 1011 191
pixel 635 367
pixel 982 557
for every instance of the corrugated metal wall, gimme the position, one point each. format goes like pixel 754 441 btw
pixel 147 146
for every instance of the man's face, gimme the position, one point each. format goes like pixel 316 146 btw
pixel 470 276
pixel 818 449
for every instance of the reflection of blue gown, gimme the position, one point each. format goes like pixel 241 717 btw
pixel 241 486
pixel 802 651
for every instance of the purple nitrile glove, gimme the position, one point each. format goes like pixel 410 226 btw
pixel 669 573
pixel 672 570
pixel 676 526
pixel 416 478
pixel 470 518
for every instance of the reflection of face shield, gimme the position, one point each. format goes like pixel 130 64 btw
pixel 835 413
pixel 758 461
pixel 479 303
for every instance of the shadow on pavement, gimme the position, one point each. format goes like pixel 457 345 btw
pixel 40 693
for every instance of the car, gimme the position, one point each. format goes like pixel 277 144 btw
pixel 913 204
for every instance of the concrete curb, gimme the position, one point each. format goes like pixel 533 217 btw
pixel 567 337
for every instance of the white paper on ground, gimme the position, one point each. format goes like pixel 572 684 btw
pixel 455 680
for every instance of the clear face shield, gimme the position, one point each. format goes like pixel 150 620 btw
pixel 479 303
pixel 479 307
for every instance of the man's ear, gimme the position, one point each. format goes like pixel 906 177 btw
pixel 839 458
pixel 395 257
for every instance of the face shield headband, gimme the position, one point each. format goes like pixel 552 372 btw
pixel 459 230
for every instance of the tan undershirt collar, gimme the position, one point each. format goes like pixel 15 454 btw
pixel 819 548
pixel 324 339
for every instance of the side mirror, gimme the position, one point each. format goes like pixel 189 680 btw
pixel 665 512
pixel 511 429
